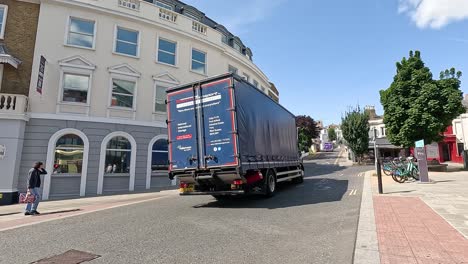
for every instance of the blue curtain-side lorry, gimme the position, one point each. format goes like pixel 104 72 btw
pixel 226 137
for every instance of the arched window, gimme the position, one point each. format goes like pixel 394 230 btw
pixel 160 159
pixel 68 158
pixel 118 153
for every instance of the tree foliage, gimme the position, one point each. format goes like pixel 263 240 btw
pixel 417 106
pixel 304 141
pixel 307 131
pixel 355 129
pixel 331 134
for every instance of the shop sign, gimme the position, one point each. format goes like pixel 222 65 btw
pixel 2 151
pixel 40 77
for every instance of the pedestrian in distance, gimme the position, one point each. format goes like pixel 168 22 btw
pixel 34 184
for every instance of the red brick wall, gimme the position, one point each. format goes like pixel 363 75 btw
pixel 20 39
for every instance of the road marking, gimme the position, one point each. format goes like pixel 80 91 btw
pixel 341 174
pixel 84 212
pixel 353 192
pixel 338 158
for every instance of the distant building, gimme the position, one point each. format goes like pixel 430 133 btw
pixel 323 137
pixel 460 131
pixel 378 137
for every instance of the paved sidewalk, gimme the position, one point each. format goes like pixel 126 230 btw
pixel 414 222
pixel 447 195
pixel 409 231
pixel 12 216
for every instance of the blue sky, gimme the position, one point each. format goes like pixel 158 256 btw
pixel 327 55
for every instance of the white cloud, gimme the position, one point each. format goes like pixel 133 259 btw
pixel 434 13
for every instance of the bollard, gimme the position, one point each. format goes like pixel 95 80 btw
pixel 379 176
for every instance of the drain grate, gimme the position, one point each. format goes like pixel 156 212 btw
pixel 69 257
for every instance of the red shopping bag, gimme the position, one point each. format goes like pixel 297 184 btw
pixel 27 198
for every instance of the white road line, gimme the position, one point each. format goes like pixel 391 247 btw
pixel 352 192
pixel 84 212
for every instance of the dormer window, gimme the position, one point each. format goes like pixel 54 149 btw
pixel 163 5
pixel 224 39
pixel 237 47
pixel 191 16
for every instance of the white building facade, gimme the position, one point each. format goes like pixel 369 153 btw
pixel 99 122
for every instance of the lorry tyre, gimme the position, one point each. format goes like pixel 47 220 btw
pixel 300 179
pixel 270 184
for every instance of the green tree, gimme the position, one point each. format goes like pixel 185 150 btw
pixel 304 141
pixel 417 106
pixel 355 128
pixel 331 134
pixel 307 131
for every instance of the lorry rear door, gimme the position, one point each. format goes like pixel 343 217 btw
pixel 182 130
pixel 219 124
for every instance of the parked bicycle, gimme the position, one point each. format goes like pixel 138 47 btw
pixel 402 169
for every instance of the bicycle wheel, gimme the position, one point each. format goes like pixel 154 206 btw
pixel 387 170
pixel 398 176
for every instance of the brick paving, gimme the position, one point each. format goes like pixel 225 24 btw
pixel 409 231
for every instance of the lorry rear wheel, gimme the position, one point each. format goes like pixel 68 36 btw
pixel 270 184
pixel 300 179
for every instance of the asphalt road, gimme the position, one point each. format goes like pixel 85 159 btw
pixel 314 222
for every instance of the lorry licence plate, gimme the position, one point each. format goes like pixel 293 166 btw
pixel 189 188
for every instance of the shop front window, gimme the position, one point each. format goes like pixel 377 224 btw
pixel 160 160
pixel 69 151
pixel 118 155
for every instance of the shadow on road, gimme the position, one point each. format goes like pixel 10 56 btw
pixel 312 191
pixel 315 169
pixel 321 156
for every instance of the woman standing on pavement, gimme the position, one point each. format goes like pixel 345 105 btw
pixel 34 183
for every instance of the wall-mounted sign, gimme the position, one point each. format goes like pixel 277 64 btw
pixel 432 151
pixel 420 143
pixel 2 151
pixel 40 77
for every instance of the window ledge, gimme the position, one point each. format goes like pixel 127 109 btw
pixel 125 55
pixel 167 64
pixel 79 47
pixel 74 104
pixel 116 175
pixel 124 109
pixel 66 175
pixel 201 74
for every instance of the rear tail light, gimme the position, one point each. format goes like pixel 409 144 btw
pixel 238 182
